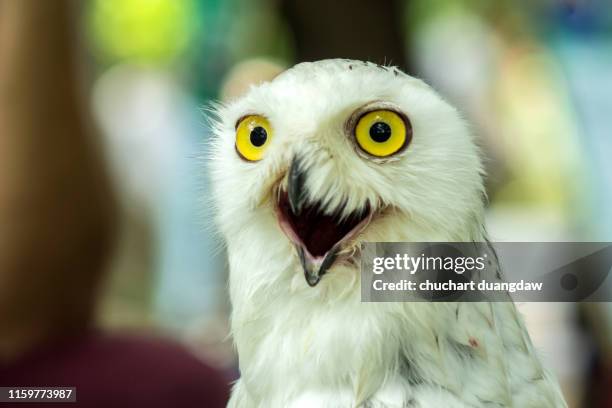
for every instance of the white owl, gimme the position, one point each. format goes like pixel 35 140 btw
pixel 307 166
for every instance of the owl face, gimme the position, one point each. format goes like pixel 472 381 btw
pixel 333 153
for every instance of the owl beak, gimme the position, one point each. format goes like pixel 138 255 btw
pixel 295 188
pixel 315 268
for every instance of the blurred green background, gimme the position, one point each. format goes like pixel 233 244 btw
pixel 534 78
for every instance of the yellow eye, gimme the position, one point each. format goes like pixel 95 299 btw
pixel 253 135
pixel 382 132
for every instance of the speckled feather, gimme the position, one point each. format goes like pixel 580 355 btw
pixel 302 346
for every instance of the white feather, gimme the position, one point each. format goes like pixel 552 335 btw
pixel 302 346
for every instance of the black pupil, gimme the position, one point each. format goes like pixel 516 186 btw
pixel 380 132
pixel 258 136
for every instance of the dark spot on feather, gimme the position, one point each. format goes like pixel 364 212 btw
pixel 489 403
pixel 463 351
pixel 411 403
pixel 408 373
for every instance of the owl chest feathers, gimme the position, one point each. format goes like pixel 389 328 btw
pixel 298 349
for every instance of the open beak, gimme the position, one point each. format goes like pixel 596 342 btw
pixel 317 235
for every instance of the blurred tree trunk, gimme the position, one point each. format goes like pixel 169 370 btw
pixel 56 210
pixel 356 29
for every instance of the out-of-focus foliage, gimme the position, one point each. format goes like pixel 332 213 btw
pixel 149 30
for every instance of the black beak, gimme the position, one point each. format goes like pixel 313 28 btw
pixel 313 270
pixel 295 188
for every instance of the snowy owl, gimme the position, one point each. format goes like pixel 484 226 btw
pixel 327 155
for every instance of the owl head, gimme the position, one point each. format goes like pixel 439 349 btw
pixel 333 153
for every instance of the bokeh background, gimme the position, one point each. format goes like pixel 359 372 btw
pixel 534 78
